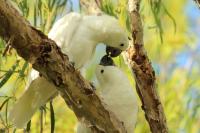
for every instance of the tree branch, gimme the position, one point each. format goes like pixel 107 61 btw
pixel 144 74
pixel 197 2
pixel 47 58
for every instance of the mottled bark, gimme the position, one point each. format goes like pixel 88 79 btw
pixel 48 59
pixel 144 74
pixel 198 2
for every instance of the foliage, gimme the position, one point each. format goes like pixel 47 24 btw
pixel 172 45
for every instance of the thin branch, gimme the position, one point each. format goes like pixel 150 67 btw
pixel 48 59
pixel 90 6
pixel 144 74
pixel 7 46
pixel 41 120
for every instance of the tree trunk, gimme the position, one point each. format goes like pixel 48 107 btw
pixel 144 74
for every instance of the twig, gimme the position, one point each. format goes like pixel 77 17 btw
pixel 41 120
pixel 52 116
pixel 8 45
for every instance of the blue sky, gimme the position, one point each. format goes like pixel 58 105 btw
pixel 189 54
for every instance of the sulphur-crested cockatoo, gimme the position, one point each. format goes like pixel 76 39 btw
pixel 77 36
pixel 117 93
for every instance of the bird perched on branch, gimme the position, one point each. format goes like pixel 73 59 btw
pixel 77 36
pixel 117 93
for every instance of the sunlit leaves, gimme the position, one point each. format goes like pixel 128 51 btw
pixel 23 6
pixel 117 9
pixel 42 13
pixel 8 74
pixel 4 115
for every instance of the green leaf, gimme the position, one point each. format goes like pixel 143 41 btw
pixel 22 71
pixel 9 74
pixel 28 127
pixel 4 102
pixel 170 16
pixel 52 115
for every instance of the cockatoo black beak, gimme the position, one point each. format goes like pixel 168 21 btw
pixel 106 61
pixel 113 52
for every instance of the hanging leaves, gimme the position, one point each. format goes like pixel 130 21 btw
pixel 9 74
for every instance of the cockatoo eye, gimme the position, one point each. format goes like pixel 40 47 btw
pixel 129 38
pixel 122 45
pixel 102 71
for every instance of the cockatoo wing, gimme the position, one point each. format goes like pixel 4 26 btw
pixel 38 93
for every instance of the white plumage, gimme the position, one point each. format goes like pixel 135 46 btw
pixel 77 35
pixel 115 90
pixel 39 91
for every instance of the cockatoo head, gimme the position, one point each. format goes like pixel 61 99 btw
pixel 106 71
pixel 116 38
pixel 104 74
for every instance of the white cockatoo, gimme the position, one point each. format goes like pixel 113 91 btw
pixel 77 36
pixel 117 93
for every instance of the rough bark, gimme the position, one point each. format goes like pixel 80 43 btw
pixel 144 74
pixel 197 2
pixel 47 58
